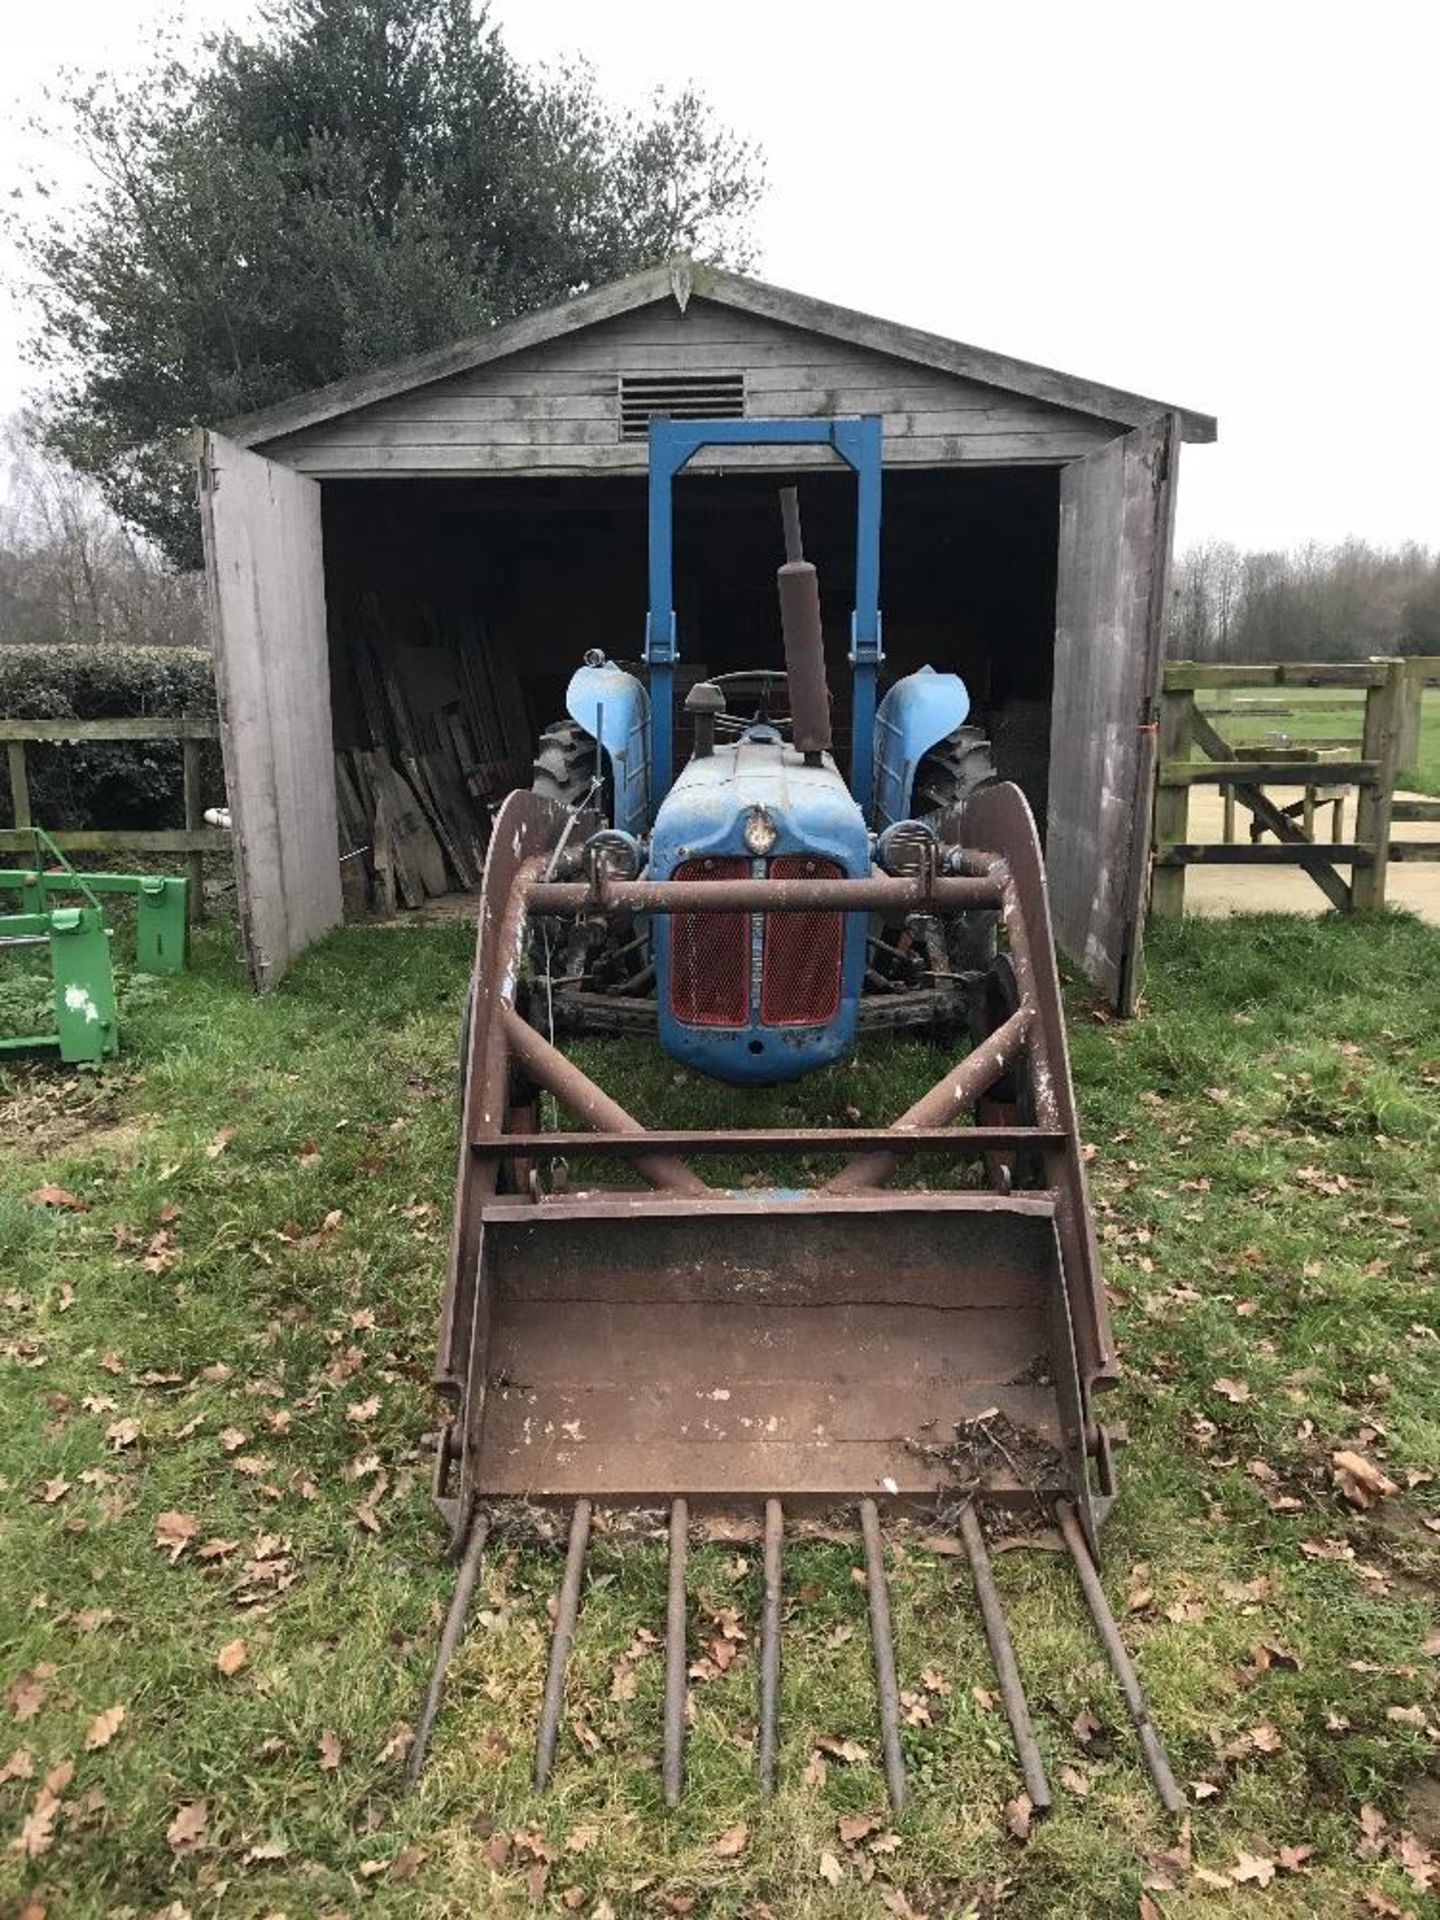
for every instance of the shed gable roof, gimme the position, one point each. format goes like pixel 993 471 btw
pixel 678 281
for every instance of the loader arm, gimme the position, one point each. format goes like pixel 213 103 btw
pixel 629 1345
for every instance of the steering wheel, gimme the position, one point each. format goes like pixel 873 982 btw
pixel 760 684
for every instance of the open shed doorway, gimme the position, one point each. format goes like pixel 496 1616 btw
pixel 518 577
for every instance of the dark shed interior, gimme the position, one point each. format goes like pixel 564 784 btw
pixel 532 572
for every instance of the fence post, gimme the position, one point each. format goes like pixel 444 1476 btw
pixel 1384 725
pixel 1407 754
pixel 1172 803
pixel 194 817
pixel 19 783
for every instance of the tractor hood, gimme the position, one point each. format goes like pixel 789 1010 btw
pixel 809 808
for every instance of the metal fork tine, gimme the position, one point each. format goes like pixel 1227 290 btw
pixel 567 1607
pixel 450 1639
pixel 770 1644
pixel 1012 1692
pixel 675 1663
pixel 887 1689
pixel 1171 1797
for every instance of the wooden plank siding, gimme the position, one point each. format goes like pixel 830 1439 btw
pixel 555 409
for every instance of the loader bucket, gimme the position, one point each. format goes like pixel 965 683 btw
pixel 845 1348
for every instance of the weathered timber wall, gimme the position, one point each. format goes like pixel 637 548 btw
pixel 555 409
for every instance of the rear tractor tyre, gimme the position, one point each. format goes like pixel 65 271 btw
pixel 951 771
pixel 564 769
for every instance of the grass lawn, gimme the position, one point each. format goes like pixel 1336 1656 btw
pixel 222 1579
pixel 1324 713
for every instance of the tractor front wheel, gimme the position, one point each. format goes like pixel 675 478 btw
pixel 951 771
pixel 565 769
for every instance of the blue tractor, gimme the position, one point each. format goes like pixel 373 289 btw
pixel 826 1336
pixel 762 795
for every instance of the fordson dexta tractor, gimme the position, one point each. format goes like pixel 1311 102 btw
pixel 853 1341
pixel 762 797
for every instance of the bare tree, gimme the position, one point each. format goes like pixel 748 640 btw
pixel 1316 602
pixel 70 571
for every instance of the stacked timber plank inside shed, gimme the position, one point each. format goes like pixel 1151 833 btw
pixel 448 737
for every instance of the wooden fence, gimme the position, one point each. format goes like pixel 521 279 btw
pixel 192 841
pixel 1387 744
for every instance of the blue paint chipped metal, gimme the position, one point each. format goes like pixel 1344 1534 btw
pixel 915 715
pixel 614 709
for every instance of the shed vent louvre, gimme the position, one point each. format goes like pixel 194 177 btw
pixel 681 396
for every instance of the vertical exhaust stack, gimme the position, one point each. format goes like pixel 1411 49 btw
pixel 804 642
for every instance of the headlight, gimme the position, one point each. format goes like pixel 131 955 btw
pixel 760 834
pixel 621 853
pixel 905 847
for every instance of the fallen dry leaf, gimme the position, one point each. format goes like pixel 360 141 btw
pixel 174 1532
pixel 894 1901
pixel 1406 1716
pixel 1327 1550
pixel 329 1750
pixel 1074 1781
pixel 1252 1866
pixel 27 1692
pixel 20 1766
pixel 1381 1903
pixel 1236 1391
pixel 57 1197
pixel 397 1745
pixel 37 1831
pixel 732 1842
pixel 53 1490
pixel 187 1829
pixel 122 1434
pixel 1359 1479
pixel 103 1728
pixel 1417 1862
pixel 231 1657
pixel 830 1869
pixel 220 1142
pixel 359 1411
pixel 1018 1815
pixel 855 1827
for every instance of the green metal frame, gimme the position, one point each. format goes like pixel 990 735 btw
pixel 82 979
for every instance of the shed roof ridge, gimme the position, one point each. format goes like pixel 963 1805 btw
pixel 655 285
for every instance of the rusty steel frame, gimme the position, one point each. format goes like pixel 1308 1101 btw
pixel 509 1059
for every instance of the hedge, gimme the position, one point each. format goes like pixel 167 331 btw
pixel 108 784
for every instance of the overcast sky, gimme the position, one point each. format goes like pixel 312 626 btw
pixel 1230 207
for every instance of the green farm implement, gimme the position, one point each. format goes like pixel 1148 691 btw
pixel 60 909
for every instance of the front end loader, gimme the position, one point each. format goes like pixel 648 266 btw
pixel 861 1344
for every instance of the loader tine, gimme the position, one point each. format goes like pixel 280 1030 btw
pixel 770 1643
pixel 1171 1797
pixel 1012 1692
pixel 674 1761
pixel 882 1643
pixel 450 1639
pixel 566 1609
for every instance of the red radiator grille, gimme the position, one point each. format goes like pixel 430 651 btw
pixel 710 954
pixel 800 985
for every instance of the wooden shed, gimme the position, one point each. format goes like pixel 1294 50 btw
pixel 487 502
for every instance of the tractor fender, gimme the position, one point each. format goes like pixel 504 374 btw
pixel 915 715
pixel 614 709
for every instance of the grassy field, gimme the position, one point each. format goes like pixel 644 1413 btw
pixel 1325 713
pixel 221 1263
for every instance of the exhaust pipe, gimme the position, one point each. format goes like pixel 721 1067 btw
pixel 799 587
